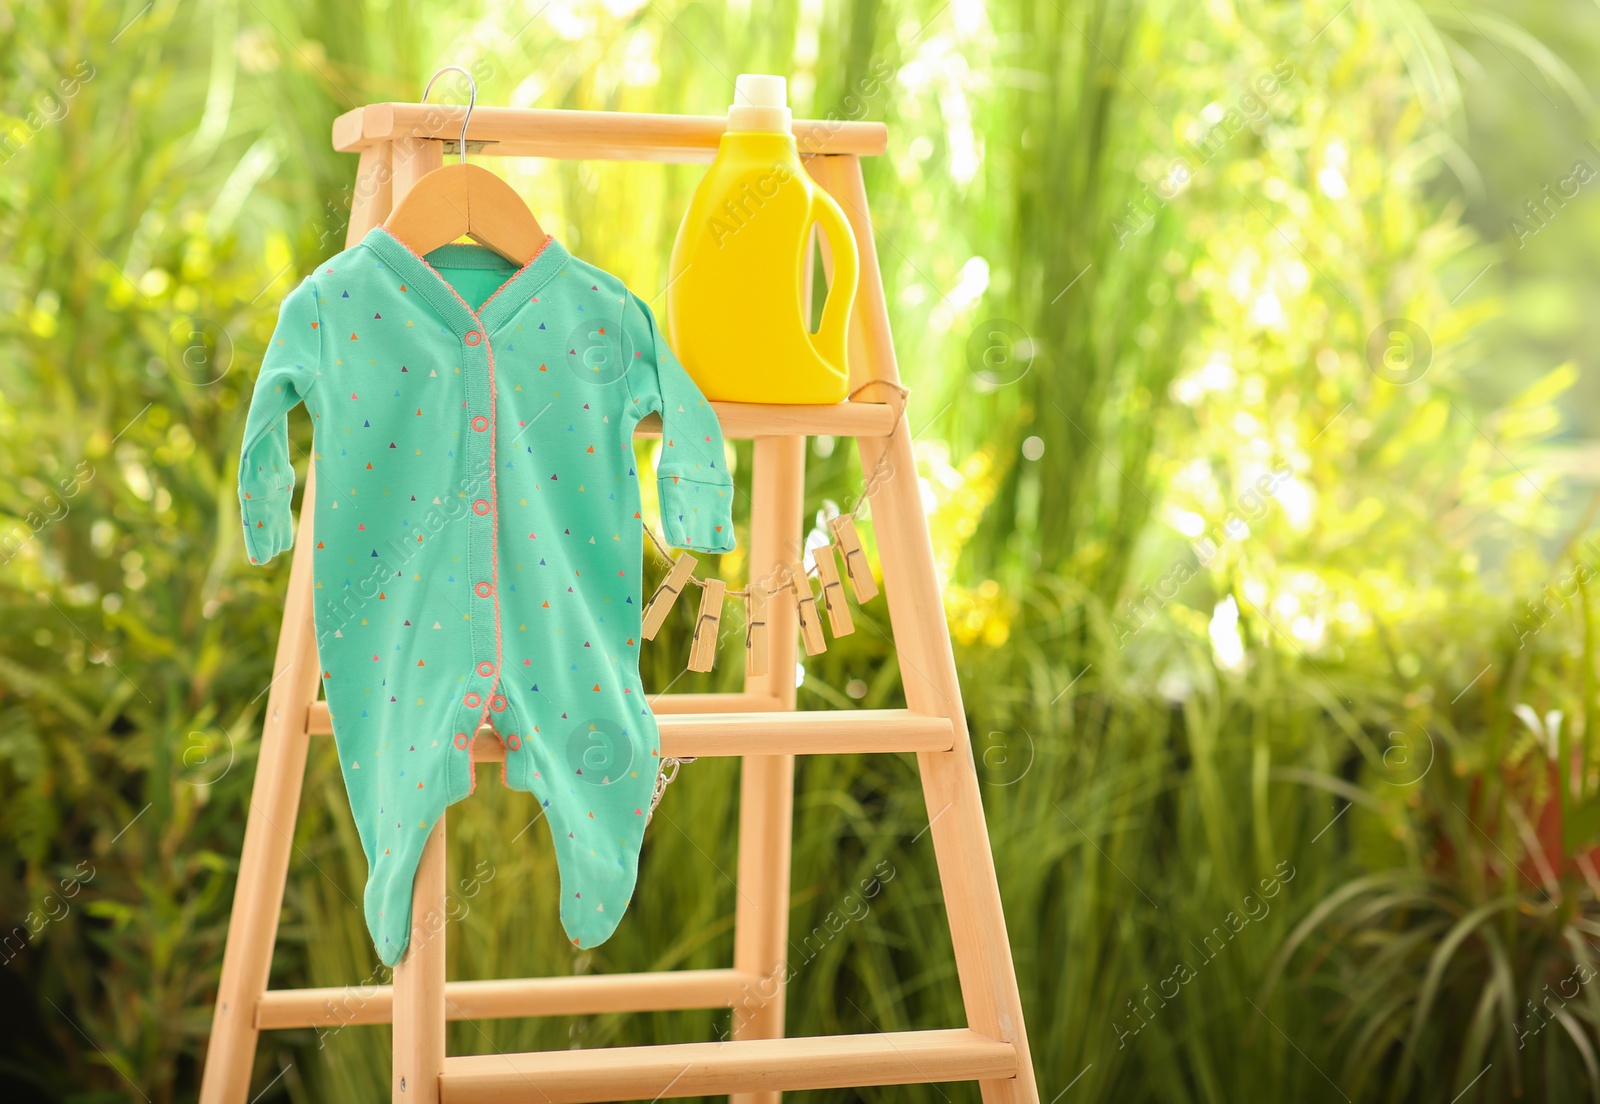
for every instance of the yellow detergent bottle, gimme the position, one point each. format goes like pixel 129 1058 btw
pixel 735 306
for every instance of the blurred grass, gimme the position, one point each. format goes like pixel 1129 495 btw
pixel 1238 806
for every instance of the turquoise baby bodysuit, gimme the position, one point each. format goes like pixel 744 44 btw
pixel 478 542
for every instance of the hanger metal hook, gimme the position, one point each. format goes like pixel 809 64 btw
pixel 472 101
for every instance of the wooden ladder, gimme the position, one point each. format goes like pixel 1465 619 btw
pixel 398 143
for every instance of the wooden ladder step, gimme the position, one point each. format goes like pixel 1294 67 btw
pixel 716 1069
pixel 815 732
pixel 504 998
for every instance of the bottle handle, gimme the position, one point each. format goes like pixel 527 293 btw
pixel 832 333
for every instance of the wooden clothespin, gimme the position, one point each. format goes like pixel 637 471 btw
pixel 703 652
pixel 833 592
pixel 666 594
pixel 855 558
pixel 755 631
pixel 806 606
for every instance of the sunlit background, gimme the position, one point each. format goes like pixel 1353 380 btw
pixel 1251 355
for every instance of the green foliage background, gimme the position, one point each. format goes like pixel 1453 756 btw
pixel 1289 753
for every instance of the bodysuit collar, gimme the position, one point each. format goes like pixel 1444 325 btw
pixel 420 276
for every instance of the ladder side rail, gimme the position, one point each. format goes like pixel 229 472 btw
pixel 984 962
pixel 281 764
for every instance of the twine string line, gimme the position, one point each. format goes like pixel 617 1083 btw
pixel 668 769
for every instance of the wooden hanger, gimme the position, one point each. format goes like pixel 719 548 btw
pixel 465 199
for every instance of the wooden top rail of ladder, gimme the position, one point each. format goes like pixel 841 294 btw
pixel 584 135
pixel 399 143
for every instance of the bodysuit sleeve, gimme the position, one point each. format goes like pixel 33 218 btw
pixel 695 490
pixel 266 474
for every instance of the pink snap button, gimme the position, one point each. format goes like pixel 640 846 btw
pixel 461 740
pixel 497 703
pixel 480 507
pixel 474 337
pixel 486 668
pixel 480 423
pixel 484 590
pixel 513 741
pixel 472 699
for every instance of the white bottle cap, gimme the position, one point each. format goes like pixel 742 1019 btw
pixel 760 102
